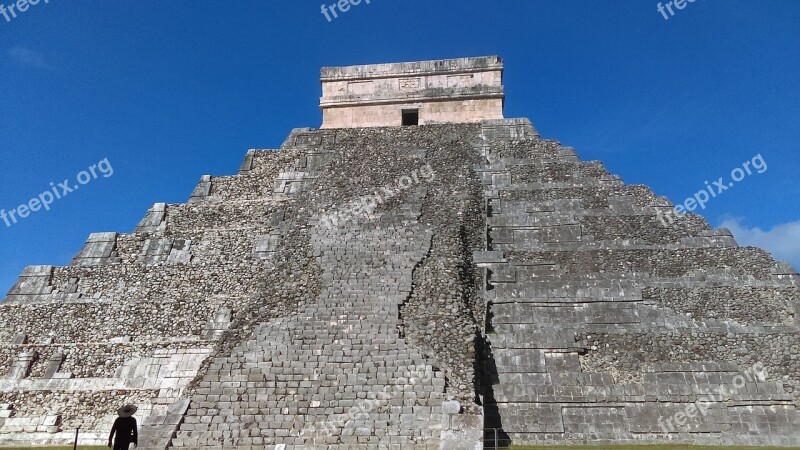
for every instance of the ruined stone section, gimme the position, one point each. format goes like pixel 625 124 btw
pixel 349 340
pixel 154 219
pixel 34 400
pixel 447 91
pixel 134 317
pixel 347 351
pixel 608 324
pixel 100 248
pixel 230 281
pixel 34 283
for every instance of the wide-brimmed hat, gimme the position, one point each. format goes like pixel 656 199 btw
pixel 127 411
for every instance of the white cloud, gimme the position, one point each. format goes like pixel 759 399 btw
pixel 28 57
pixel 783 240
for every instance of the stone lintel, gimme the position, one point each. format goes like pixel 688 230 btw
pixel 391 70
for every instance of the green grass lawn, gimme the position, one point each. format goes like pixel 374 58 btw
pixel 80 447
pixel 516 447
pixel 546 447
pixel 642 447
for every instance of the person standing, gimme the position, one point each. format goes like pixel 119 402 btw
pixel 125 429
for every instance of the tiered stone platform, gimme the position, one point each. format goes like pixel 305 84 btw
pixel 609 324
pixel 405 288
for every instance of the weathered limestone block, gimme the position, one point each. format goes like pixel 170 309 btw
pixel 293 182
pixel 218 325
pixel 35 282
pixel 6 410
pixel 160 426
pixel 460 431
pixel 154 220
pixel 54 364
pixel 247 164
pixel 508 129
pixel 266 246
pixel 166 250
pixel 156 250
pixel 99 249
pixel 21 366
pixel 202 191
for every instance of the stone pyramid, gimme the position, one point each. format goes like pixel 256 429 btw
pixel 377 284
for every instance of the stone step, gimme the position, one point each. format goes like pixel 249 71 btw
pixel 562 340
pixel 591 313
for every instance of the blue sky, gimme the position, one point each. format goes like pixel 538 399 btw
pixel 170 91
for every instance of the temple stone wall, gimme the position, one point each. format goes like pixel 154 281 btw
pixel 470 110
pixel 448 91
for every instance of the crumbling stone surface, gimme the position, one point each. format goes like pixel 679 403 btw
pixel 152 320
pixel 557 171
pixel 752 262
pixel 745 305
pixel 147 308
pixel 591 196
pixel 74 408
pixel 648 230
pixel 409 353
pixel 611 320
pixel 93 360
pixel 631 356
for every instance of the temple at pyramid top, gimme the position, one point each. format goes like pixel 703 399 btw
pixel 413 93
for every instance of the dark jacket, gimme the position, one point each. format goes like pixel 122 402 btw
pixel 125 428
